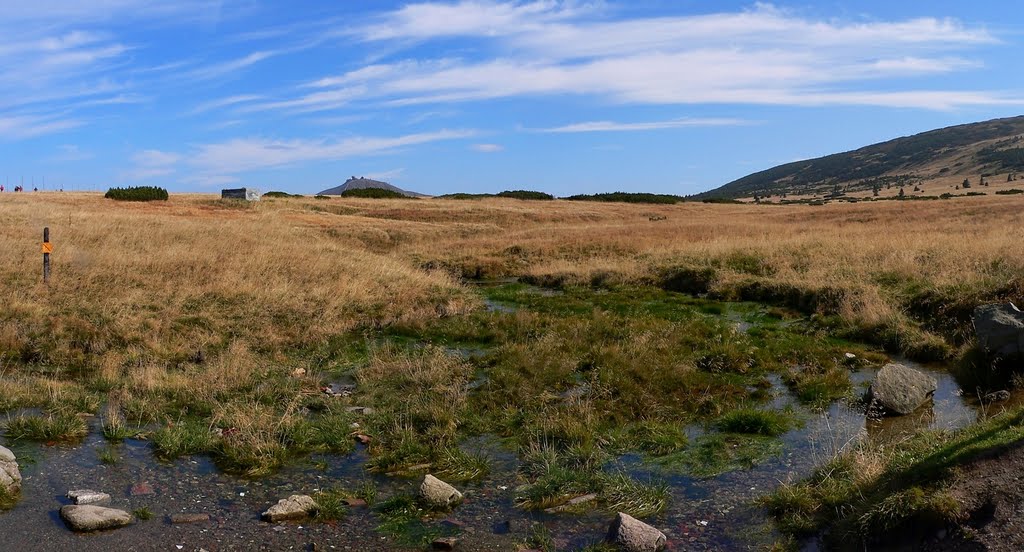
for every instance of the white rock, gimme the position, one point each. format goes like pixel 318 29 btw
pixel 293 507
pixel 88 496
pixel 10 476
pixel 438 493
pixel 93 518
pixel 633 535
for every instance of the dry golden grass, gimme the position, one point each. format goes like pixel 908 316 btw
pixel 135 284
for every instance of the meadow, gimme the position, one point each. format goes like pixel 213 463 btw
pixel 570 332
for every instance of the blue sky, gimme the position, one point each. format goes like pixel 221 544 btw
pixel 482 95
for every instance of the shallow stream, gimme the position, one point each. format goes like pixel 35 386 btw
pixel 703 514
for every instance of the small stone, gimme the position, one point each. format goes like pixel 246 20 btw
pixel 850 356
pixel 444 543
pixel 93 518
pixel 189 518
pixel 141 489
pixel 88 496
pixel 439 494
pixel 293 507
pixel 633 535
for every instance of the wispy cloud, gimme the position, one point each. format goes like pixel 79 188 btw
pixel 224 102
pixel 70 153
pixel 763 55
pixel 609 126
pixel 248 154
pixel 487 148
pixel 151 164
pixel 224 68
pixel 16 127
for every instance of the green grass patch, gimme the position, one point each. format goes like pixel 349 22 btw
pixel 713 454
pixel 184 438
pixel 754 421
pixel 406 520
pixel 51 428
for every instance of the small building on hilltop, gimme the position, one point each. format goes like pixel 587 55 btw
pixel 248 194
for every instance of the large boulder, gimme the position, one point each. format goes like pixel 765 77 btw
pixel 293 507
pixel 439 494
pixel 93 518
pixel 10 476
pixel 1000 330
pixel 899 390
pixel 633 535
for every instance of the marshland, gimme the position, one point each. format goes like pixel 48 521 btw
pixel 700 367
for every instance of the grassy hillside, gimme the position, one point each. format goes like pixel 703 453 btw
pixel 972 150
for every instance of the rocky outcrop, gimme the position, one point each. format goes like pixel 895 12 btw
pixel 633 535
pixel 899 390
pixel 88 496
pixel 293 507
pixel 10 476
pixel 1000 330
pixel 93 518
pixel 439 494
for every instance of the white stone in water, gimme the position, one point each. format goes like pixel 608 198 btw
pixel 633 535
pixel 93 518
pixel 88 496
pixel 293 507
pixel 438 493
pixel 10 476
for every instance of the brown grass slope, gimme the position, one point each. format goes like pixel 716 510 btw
pixel 926 160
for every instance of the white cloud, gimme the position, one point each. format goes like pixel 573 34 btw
pixel 609 126
pixel 488 148
pixel 247 154
pixel 386 175
pixel 71 152
pixel 16 127
pixel 763 55
pixel 225 102
pixel 151 164
pixel 224 68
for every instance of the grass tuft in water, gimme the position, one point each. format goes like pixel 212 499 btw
pixel 716 453
pixel 753 421
pixel 52 428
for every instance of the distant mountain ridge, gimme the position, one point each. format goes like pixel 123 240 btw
pixel 361 183
pixel 969 150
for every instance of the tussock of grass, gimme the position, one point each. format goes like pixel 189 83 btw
pixel 406 520
pixel 558 476
pixel 754 421
pixel 713 454
pixel 50 428
pixel 183 438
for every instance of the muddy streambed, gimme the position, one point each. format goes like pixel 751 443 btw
pixel 704 514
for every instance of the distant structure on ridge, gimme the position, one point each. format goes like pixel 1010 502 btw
pixel 248 194
pixel 363 183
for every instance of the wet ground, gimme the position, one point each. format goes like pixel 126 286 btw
pixel 710 514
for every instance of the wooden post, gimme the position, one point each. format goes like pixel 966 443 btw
pixel 47 249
